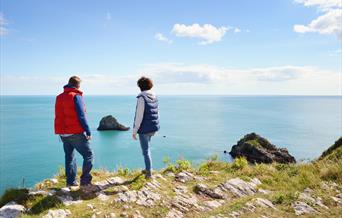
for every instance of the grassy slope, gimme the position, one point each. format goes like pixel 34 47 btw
pixel 284 180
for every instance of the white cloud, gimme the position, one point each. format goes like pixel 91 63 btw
pixel 321 4
pixel 208 33
pixel 237 30
pixel 182 79
pixel 330 22
pixel 3 24
pixel 180 73
pixel 162 38
pixel 177 78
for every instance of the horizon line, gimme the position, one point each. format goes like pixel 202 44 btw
pixel 228 95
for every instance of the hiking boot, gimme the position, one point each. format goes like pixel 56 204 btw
pixel 73 184
pixel 73 187
pixel 88 188
pixel 143 171
pixel 148 175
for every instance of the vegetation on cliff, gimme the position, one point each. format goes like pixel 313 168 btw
pixel 211 189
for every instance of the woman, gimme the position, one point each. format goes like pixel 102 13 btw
pixel 146 121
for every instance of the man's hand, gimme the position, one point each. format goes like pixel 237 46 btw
pixel 134 136
pixel 88 137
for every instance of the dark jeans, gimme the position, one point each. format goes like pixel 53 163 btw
pixel 81 144
pixel 145 147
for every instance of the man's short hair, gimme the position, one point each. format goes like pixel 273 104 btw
pixel 145 83
pixel 74 81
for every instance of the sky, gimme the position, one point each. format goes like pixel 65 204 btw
pixel 193 47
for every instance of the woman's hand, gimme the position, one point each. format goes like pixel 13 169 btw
pixel 134 136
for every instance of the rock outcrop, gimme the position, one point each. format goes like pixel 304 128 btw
pixel 11 210
pixel 335 148
pixel 215 190
pixel 257 149
pixel 59 213
pixel 110 123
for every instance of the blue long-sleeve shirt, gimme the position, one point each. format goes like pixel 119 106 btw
pixel 81 114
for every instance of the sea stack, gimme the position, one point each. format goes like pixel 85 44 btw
pixel 110 123
pixel 257 149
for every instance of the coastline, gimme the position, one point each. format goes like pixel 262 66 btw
pixel 211 189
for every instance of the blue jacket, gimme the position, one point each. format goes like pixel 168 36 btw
pixel 150 122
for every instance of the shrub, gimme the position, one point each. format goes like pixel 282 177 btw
pixel 166 160
pixel 284 198
pixel 138 182
pixel 183 165
pixel 240 163
pixel 123 171
pixel 18 195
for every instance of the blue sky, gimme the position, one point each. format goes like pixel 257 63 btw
pixel 187 47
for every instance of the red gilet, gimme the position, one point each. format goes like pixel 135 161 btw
pixel 66 119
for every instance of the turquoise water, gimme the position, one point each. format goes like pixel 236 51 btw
pixel 194 127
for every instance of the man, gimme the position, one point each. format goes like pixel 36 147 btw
pixel 72 126
pixel 146 121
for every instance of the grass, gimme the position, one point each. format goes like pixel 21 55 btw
pixel 332 150
pixel 285 181
pixel 177 167
pixel 18 195
pixel 254 142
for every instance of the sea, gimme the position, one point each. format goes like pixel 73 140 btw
pixel 192 127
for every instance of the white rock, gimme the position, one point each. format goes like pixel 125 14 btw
pixel 337 199
pixel 179 189
pixel 235 214
pixel 102 197
pixel 264 203
pixel 306 195
pixel 320 203
pixel 137 214
pixel 186 202
pixel 126 207
pixel 54 181
pixel 212 193
pixel 214 172
pixel 325 186
pixel 65 190
pixel 90 206
pixel 173 213
pixel 213 204
pixel 102 184
pixel 249 207
pixel 159 176
pixel 59 213
pixel 238 187
pixel 116 180
pixel 112 215
pixel 11 210
pixel 124 214
pixel 184 177
pixel 301 208
pixel 67 200
pixel 170 174
pixel 264 191
pixel 255 182
pixel 52 192
pixel 38 192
